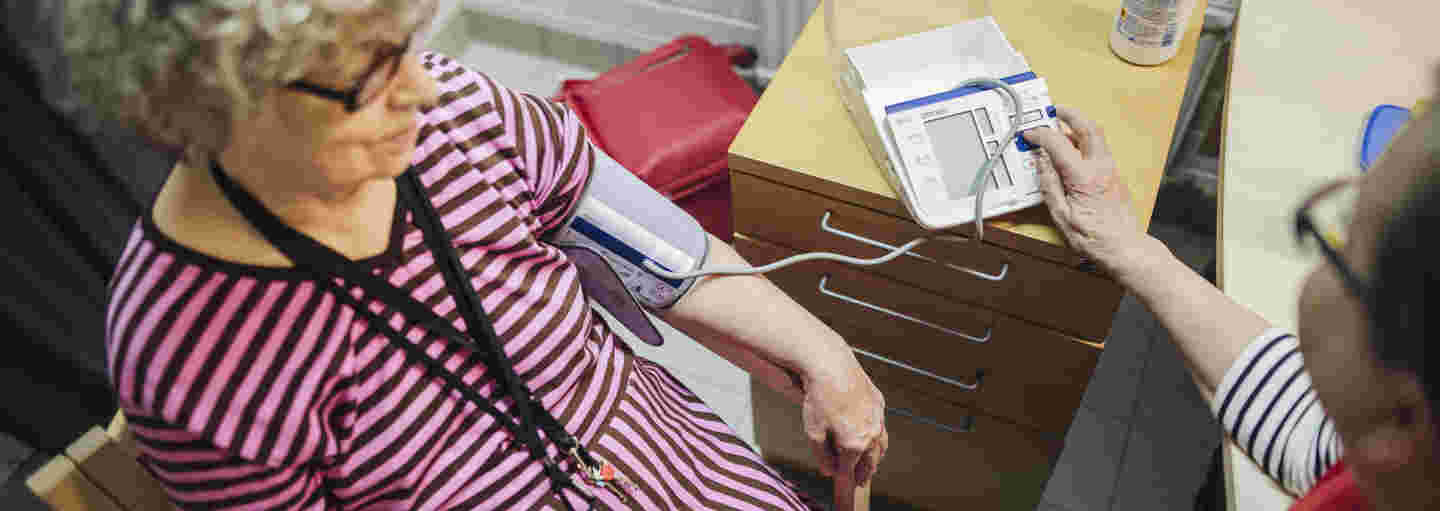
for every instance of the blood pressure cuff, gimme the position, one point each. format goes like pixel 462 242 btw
pixel 619 225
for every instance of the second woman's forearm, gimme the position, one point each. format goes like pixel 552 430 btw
pixel 1211 329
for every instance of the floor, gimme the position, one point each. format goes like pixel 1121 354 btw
pixel 1144 436
pixel 1142 439
pixel 17 461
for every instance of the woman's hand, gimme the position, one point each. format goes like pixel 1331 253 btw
pixel 1088 201
pixel 844 417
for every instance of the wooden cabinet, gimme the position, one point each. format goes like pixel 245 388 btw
pixel 959 353
pixel 981 274
pixel 983 348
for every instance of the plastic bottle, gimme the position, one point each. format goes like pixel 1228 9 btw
pixel 1149 32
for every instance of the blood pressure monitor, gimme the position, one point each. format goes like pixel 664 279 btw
pixel 943 140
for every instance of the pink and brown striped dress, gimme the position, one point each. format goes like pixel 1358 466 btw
pixel 253 388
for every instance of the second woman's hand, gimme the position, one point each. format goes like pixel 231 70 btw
pixel 1088 200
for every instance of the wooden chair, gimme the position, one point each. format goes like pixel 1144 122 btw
pixel 99 472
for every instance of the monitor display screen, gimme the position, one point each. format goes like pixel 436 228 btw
pixel 961 151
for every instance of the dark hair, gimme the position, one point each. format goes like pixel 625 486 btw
pixel 1406 273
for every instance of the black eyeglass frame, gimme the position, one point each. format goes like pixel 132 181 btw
pixel 1305 226
pixel 351 98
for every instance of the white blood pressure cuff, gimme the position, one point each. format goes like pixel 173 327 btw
pixel 620 224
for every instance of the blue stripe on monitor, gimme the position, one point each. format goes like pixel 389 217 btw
pixel 612 244
pixel 960 92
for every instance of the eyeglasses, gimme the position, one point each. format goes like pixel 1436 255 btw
pixel 1325 229
pixel 376 79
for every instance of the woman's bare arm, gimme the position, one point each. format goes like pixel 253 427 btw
pixel 755 325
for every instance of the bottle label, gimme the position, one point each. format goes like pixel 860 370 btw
pixel 1150 23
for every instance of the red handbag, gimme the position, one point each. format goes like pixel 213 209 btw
pixel 670 116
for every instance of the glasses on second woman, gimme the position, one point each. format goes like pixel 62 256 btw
pixel 1321 218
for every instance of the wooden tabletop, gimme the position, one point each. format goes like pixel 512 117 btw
pixel 802 135
pixel 1304 75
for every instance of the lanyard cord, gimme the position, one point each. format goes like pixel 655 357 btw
pixel 326 264
pixel 470 306
pixel 468 303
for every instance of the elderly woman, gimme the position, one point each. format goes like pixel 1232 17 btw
pixel 343 299
pixel 1346 414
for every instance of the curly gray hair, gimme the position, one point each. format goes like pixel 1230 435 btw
pixel 180 71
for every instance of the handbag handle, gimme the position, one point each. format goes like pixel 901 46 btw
pixel 739 55
pixel 683 46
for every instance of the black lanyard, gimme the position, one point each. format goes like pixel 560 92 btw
pixel 327 264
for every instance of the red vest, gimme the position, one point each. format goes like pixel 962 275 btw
pixel 1336 491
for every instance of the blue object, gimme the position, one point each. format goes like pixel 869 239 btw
pixel 962 91
pixel 1051 110
pixel 1022 144
pixel 1382 126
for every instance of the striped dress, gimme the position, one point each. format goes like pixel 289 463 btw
pixel 254 388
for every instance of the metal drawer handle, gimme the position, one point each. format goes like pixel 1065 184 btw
pixel 824 279
pixel 966 426
pixel 967 387
pixel 825 226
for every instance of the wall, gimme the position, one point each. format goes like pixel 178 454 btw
pixel 771 26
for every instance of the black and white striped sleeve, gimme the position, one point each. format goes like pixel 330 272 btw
pixel 1268 408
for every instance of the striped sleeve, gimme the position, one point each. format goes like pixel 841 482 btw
pixel 555 152
pixel 198 475
pixel 1268 408
pixel 235 385
pixel 545 140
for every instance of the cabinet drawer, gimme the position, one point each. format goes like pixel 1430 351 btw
pixel 947 459
pixel 1061 298
pixel 952 351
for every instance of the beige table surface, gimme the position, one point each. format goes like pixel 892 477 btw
pixel 1305 73
pixel 801 125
